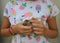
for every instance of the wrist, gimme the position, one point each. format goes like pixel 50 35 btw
pixel 14 29
pixel 11 31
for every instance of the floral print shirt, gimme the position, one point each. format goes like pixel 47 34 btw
pixel 20 10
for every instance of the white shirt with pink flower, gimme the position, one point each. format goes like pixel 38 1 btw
pixel 20 10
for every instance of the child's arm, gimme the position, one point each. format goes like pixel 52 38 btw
pixel 53 31
pixel 5 27
pixel 39 28
pixel 19 28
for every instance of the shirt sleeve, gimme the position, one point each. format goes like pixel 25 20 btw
pixel 53 8
pixel 6 10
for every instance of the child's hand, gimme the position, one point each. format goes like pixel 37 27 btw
pixel 21 29
pixel 38 27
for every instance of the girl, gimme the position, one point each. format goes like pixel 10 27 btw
pixel 38 12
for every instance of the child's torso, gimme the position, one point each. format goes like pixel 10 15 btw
pixel 26 10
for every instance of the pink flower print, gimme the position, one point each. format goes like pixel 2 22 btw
pixel 22 6
pixel 28 14
pixel 13 12
pixel 45 16
pixel 29 38
pixel 38 39
pixel 38 7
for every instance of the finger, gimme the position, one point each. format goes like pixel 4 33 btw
pixel 39 33
pixel 39 29
pixel 27 31
pixel 36 29
pixel 23 32
pixel 38 25
pixel 34 21
pixel 26 27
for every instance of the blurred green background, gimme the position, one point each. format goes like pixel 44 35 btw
pixel 7 40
